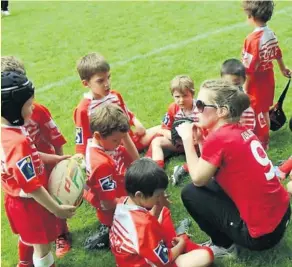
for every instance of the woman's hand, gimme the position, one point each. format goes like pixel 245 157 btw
pixel 185 130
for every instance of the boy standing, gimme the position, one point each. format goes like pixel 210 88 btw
pixel 106 163
pixel 48 139
pixel 141 236
pixel 260 49
pixel 29 207
pixel 94 72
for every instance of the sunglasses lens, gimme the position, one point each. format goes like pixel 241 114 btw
pixel 200 106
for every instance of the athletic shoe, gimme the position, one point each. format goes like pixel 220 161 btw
pixel 63 244
pixel 221 252
pixel 183 227
pixel 5 13
pixel 99 240
pixel 178 173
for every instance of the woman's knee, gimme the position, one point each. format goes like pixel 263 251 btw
pixel 189 193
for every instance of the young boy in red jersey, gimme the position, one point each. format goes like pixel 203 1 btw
pixel 94 72
pixel 106 163
pixel 182 91
pixel 143 233
pixel 29 207
pixel 260 49
pixel 48 139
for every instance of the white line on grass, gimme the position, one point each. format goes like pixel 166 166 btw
pixel 157 51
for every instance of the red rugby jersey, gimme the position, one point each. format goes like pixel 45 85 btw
pixel 105 171
pixel 174 112
pixel 22 170
pixel 136 237
pixel 43 130
pixel 86 107
pixel 260 48
pixel 246 174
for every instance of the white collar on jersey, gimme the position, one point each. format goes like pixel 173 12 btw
pixel 89 95
pixel 126 206
pixel 261 28
pixel 91 143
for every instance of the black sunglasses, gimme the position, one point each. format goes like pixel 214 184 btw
pixel 201 106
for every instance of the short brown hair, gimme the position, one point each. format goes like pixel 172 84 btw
pixel 181 84
pixel 108 119
pixel 259 9
pixel 225 94
pixel 11 63
pixel 90 65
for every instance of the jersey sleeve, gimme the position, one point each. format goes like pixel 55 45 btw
pixel 213 150
pixel 49 129
pixel 24 170
pixel 250 54
pixel 168 118
pixel 130 114
pixel 82 129
pixel 102 183
pixel 152 246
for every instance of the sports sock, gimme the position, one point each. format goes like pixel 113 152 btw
pixel 25 252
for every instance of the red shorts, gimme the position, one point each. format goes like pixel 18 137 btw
pixel 137 141
pixel 34 223
pixel 262 89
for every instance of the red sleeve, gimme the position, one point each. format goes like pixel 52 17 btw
pixel 49 128
pixel 82 129
pixel 250 54
pixel 151 244
pixel 124 107
pixel 102 183
pixel 168 118
pixel 24 171
pixel 212 150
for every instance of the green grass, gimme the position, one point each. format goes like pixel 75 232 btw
pixel 51 36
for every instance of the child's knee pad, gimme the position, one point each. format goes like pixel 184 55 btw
pixel 45 261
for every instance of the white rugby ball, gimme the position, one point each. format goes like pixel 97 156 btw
pixel 66 182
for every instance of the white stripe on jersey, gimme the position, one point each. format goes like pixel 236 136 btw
pixel 111 98
pixel 123 218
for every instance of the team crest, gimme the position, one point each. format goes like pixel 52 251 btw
pixel 107 184
pixel 165 119
pixel 161 252
pixel 26 168
pixel 79 136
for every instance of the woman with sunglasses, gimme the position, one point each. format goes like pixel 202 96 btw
pixel 235 197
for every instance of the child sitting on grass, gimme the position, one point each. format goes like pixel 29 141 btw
pixel 142 233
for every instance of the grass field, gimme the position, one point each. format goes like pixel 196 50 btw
pixel 147 44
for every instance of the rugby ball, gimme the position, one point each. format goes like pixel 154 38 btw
pixel 66 182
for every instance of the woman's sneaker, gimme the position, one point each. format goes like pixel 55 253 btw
pixel 220 252
pixel 178 174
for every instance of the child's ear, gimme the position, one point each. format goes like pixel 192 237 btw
pixel 85 83
pixel 97 136
pixel 139 194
